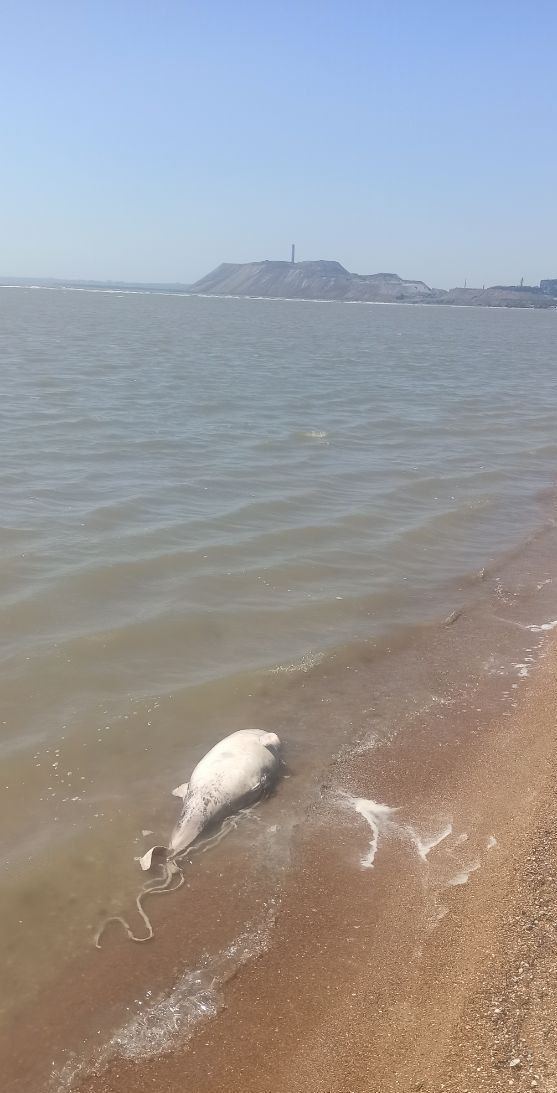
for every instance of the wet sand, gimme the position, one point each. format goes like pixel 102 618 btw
pixel 435 970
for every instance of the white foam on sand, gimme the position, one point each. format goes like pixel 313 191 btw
pixel 542 627
pixel 425 846
pixel 463 876
pixel 379 819
pixel 522 670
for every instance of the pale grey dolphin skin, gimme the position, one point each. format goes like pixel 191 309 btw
pixel 236 772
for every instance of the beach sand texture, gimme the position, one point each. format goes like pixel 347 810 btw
pixel 438 975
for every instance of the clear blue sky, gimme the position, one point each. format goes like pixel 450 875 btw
pixel 150 141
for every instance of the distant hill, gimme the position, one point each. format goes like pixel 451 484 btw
pixel 307 281
pixel 326 280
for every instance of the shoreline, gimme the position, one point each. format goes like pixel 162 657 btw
pixel 344 969
pixel 282 299
pixel 430 975
pixel 370 303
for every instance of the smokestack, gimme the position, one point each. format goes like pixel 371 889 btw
pixel 293 258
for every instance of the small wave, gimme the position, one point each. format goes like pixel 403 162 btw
pixel 313 434
pixel 304 664
pixel 366 744
pixel 544 626
pixel 170 1019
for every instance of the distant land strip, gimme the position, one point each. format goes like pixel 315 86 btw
pixel 325 280
pixel 319 280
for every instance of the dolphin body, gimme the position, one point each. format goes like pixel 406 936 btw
pixel 236 772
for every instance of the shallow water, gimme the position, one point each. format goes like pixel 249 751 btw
pixel 201 499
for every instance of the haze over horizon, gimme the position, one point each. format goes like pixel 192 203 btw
pixel 147 145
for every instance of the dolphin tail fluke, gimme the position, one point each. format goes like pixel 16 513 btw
pixel 146 860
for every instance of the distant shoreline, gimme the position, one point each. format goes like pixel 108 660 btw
pixel 321 281
pixel 155 291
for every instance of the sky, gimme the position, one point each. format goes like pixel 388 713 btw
pixel 151 141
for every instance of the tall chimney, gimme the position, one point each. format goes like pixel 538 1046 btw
pixel 293 259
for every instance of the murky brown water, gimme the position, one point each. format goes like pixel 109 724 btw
pixel 202 500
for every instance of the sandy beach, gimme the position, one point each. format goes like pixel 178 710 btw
pixel 435 970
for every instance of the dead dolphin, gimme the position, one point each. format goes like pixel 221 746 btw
pixel 235 772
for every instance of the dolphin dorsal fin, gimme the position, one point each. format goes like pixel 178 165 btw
pixel 180 791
